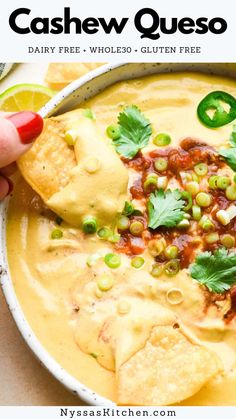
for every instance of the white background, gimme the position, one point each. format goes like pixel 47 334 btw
pixel 214 48
pixel 161 412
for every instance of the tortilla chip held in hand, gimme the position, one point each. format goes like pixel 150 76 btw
pixel 84 180
pixel 169 368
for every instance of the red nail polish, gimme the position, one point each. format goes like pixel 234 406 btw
pixel 28 124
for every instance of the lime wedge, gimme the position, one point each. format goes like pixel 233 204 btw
pixel 25 97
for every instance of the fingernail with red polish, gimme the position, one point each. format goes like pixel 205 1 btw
pixel 28 124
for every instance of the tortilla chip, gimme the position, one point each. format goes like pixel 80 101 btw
pixel 64 176
pixel 60 75
pixel 168 369
pixel 47 164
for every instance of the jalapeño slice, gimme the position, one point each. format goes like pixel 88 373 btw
pixel 223 108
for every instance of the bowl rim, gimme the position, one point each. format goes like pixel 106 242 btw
pixel 71 383
pixel 70 89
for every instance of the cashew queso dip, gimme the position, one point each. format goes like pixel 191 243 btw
pixel 121 240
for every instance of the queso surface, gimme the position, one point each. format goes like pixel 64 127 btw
pixel 52 279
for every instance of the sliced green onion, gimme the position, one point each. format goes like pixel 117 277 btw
pixel 150 182
pixel 192 187
pixel 114 238
pixel 161 164
pixel 213 182
pixel 227 240
pixel 197 212
pixel 128 209
pixel 136 228
pixel 223 217
pixel 123 223
pixel 157 270
pixel 162 140
pixel 137 262
pixel 56 234
pixel 201 169
pixel 223 182
pixel 112 260
pixel 231 211
pixel 196 240
pixel 104 233
pixel 187 196
pixel 113 131
pixel 89 225
pixel 203 199
pixel 205 223
pixel 185 176
pixel 187 216
pixel 105 283
pixel 171 252
pixel 195 177
pixel 203 219
pixel 71 137
pixel 235 178
pixel 212 238
pixel 92 259
pixel 172 267
pixel 183 224
pixel 156 247
pixel 162 182
pixel 231 193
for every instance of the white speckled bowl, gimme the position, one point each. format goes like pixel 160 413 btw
pixel 69 98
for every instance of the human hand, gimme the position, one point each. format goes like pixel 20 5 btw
pixel 17 133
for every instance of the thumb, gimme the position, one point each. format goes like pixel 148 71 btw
pixel 17 132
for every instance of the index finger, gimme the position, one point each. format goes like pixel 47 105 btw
pixel 17 132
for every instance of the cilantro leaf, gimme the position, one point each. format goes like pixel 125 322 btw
pixel 135 131
pixel 217 271
pixel 230 156
pixel 165 208
pixel 232 138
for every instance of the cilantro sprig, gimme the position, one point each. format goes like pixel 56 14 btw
pixel 217 271
pixel 165 208
pixel 229 154
pixel 135 132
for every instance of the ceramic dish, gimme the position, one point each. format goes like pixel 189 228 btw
pixel 68 99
